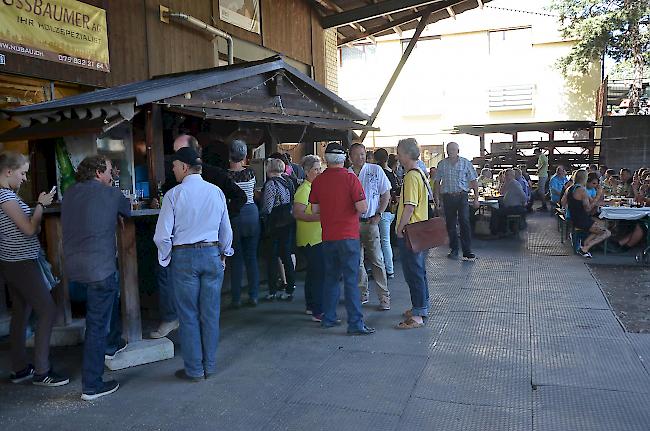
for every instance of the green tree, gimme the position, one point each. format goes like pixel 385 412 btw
pixel 618 29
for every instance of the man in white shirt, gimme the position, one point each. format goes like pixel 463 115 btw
pixel 194 236
pixel 377 189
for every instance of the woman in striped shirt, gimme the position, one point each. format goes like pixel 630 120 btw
pixel 246 229
pixel 19 249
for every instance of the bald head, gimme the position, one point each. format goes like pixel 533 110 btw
pixel 452 149
pixel 187 141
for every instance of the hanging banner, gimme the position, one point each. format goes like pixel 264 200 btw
pixel 242 13
pixel 65 31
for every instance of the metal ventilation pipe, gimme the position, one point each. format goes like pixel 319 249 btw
pixel 197 23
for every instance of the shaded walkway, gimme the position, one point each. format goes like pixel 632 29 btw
pixel 520 339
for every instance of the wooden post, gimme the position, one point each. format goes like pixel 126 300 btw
pixel 130 292
pixel 155 147
pixel 54 239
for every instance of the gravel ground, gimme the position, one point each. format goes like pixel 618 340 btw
pixel 628 290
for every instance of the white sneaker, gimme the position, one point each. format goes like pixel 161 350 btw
pixel 164 329
pixel 365 299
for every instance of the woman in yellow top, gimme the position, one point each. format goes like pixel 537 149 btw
pixel 309 236
pixel 412 208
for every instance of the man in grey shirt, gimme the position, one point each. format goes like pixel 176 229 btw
pixel 513 202
pixel 89 217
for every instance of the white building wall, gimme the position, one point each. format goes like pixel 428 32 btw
pixel 448 78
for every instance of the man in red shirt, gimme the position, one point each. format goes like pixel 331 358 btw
pixel 339 198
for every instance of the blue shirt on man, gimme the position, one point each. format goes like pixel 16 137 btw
pixel 194 211
pixel 556 184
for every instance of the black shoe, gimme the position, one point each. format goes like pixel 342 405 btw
pixel 469 256
pixel 50 379
pixel 234 306
pixel 181 374
pixel 108 388
pixel 251 303
pixel 452 255
pixel 209 375
pixel 363 331
pixel 390 276
pixel 120 347
pixel 22 375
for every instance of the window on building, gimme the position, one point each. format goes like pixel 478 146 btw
pixel 423 42
pixel 510 42
pixel 357 53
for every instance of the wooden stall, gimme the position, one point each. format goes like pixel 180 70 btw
pixel 577 147
pixel 135 124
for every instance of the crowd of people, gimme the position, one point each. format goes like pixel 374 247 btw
pixel 340 219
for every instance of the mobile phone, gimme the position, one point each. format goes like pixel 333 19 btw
pixel 53 190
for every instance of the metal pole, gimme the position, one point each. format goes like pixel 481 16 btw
pixel 418 31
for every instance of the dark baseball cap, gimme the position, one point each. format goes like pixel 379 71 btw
pixel 334 148
pixel 187 155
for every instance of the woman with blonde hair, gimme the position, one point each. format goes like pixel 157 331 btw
pixel 19 250
pixel 580 207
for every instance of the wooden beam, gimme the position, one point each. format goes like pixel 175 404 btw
pixel 379 29
pixel 418 31
pixel 128 261
pixel 376 10
pixel 54 252
pixel 396 29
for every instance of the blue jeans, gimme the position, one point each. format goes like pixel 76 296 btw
pixel 456 209
pixel 166 297
pixel 342 261
pixel 246 237
pixel 314 278
pixel 384 236
pixel 282 240
pixel 415 274
pixel 102 328
pixel 197 275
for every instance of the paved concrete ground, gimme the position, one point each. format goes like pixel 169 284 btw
pixel 520 339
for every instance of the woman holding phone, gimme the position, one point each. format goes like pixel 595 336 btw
pixel 19 249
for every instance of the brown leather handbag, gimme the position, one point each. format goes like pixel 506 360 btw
pixel 427 234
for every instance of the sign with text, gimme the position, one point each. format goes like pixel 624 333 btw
pixel 65 31
pixel 242 13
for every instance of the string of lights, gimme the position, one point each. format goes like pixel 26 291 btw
pixel 521 11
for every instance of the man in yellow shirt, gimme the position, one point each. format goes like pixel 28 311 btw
pixel 309 235
pixel 413 208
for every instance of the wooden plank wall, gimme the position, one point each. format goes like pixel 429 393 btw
pixel 127 42
pixel 286 28
pixel 142 47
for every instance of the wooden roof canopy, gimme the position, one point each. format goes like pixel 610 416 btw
pixel 265 91
pixel 356 20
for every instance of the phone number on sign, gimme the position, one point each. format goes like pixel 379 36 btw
pixel 83 62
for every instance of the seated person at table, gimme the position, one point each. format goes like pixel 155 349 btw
pixel 609 181
pixel 513 202
pixel 625 186
pixel 485 179
pixel 519 176
pixel 580 206
pixel 557 183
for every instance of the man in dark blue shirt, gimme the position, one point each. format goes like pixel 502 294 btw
pixel 89 217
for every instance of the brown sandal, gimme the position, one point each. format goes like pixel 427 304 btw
pixel 409 324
